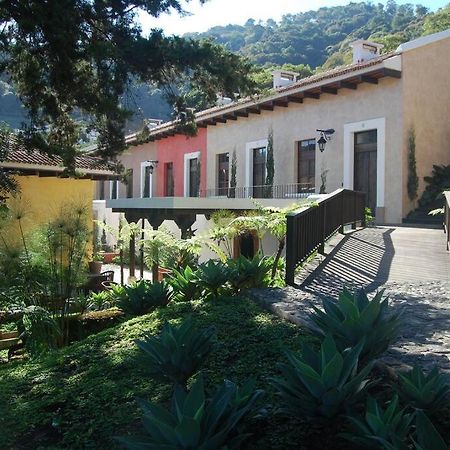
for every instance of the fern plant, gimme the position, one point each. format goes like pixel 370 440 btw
pixel 321 383
pixel 354 318
pixel 177 352
pixel 195 422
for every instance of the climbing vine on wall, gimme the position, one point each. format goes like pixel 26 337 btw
pixel 270 164
pixel 413 179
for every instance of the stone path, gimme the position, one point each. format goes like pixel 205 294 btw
pixel 413 267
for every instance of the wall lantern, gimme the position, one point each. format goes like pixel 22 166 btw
pixel 325 136
pixel 152 165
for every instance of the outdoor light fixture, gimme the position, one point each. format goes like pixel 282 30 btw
pixel 152 165
pixel 325 136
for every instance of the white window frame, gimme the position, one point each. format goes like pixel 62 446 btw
pixel 249 147
pixel 145 164
pixel 111 184
pixel 350 129
pixel 187 158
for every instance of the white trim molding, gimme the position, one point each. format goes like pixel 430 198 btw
pixel 187 158
pixel 249 147
pixel 349 153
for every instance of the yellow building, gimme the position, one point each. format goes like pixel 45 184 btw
pixel 44 191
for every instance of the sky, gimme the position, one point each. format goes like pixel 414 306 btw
pixel 224 12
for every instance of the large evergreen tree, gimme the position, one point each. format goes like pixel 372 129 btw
pixel 76 58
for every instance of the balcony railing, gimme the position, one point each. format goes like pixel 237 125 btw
pixel 280 191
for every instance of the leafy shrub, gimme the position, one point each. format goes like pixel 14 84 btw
pixel 249 273
pixel 116 293
pixel 99 301
pixel 143 296
pixel 184 283
pixel 422 391
pixel 354 318
pixel 321 383
pixel 41 330
pixel 213 277
pixel 387 429
pixel 427 437
pixel 195 422
pixel 177 353
pixel 438 182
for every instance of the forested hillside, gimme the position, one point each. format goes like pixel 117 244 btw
pixel 304 42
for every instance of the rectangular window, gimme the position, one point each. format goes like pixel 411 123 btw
pixel 114 189
pixel 169 190
pixel 259 171
pixel 194 177
pixel 101 190
pixel 145 180
pixel 129 177
pixel 223 172
pixel 306 165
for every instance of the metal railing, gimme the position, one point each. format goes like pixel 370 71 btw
pixel 285 191
pixel 310 228
pixel 447 217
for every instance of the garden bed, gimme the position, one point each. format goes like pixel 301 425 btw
pixel 83 395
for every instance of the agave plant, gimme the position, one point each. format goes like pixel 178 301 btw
pixel 185 284
pixel 143 296
pixel 386 429
pixel 213 277
pixel 249 273
pixel 178 352
pixel 423 391
pixel 427 437
pixel 195 422
pixel 354 317
pixel 321 383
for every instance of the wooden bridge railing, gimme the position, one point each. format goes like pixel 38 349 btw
pixel 309 229
pixel 447 217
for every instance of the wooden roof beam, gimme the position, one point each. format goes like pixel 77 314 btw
pixel 348 85
pixel 391 73
pixel 281 102
pixel 295 99
pixel 267 106
pixel 254 110
pixel 369 79
pixel 329 90
pixel 201 125
pixel 241 113
pixel 220 119
pixel 230 116
pixel 314 95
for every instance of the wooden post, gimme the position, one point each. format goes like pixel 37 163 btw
pixel 132 256
pixel 141 251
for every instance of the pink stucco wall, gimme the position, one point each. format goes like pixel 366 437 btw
pixel 173 149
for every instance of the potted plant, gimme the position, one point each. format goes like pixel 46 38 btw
pixel 95 265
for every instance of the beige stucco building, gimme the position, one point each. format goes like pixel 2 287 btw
pixel 367 111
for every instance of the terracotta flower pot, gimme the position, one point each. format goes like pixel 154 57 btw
pixel 95 267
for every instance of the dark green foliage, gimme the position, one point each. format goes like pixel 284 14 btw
pixel 67 58
pixel 354 318
pixel 8 185
pixel 250 273
pixel 427 437
pixel 381 429
pixel 213 277
pixel 413 179
pixel 89 388
pixel 184 283
pixel 438 182
pixel 177 352
pixel 194 422
pixel 321 383
pixel 142 296
pixel 424 391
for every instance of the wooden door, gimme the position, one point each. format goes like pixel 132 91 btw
pixel 169 180
pixel 365 176
pixel 194 177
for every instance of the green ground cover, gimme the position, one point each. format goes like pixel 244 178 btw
pixel 83 395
